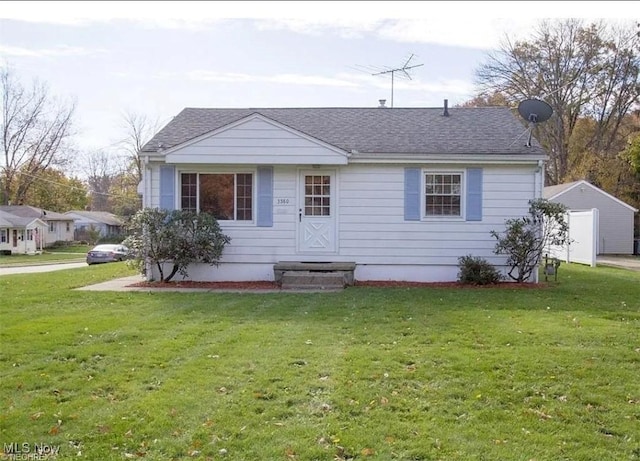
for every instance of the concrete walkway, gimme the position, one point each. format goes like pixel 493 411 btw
pixel 623 261
pixel 124 284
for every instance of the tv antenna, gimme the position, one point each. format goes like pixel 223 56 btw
pixel 403 72
pixel 534 111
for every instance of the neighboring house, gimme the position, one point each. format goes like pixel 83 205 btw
pixel 615 229
pixel 21 235
pixel 400 192
pixel 107 224
pixel 58 226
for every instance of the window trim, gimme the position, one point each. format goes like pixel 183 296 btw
pixel 235 172
pixel 423 194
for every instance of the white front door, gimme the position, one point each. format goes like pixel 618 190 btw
pixel 316 212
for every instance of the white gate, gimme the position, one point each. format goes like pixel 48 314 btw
pixel 583 238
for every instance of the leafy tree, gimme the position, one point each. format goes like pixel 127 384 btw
pixel 34 135
pixel 583 72
pixel 526 238
pixel 495 98
pixel 632 153
pixel 180 238
pixel 123 198
pixel 56 192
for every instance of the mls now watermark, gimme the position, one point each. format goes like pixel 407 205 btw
pixel 29 451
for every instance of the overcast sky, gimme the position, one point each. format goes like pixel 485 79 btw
pixel 155 58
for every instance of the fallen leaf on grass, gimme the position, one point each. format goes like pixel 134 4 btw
pixel 104 429
pixel 540 414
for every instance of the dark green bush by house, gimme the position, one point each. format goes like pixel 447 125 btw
pixel 477 271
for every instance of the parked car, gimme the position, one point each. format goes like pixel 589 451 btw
pixel 107 253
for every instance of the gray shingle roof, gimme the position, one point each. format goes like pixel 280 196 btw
pixel 11 220
pixel 32 212
pixel 552 191
pixel 99 216
pixel 478 130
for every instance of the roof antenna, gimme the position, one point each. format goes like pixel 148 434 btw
pixel 403 72
pixel 534 111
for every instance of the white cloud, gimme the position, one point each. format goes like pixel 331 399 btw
pixel 478 24
pixel 62 50
pixel 288 79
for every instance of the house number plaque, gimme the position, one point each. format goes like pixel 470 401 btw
pixel 283 205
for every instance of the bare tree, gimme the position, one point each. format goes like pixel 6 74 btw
pixel 139 130
pixel 35 130
pixel 101 168
pixel 582 71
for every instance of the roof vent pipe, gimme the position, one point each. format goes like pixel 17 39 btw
pixel 382 102
pixel 446 108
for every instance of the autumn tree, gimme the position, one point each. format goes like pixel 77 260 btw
pixel 35 134
pixel 123 194
pixel 583 72
pixel 632 153
pixel 495 98
pixel 56 192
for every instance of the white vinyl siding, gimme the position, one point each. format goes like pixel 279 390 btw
pixel 371 225
pixel 257 141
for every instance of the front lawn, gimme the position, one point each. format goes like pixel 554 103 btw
pixel 71 253
pixel 547 373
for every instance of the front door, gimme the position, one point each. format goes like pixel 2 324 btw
pixel 15 238
pixel 316 212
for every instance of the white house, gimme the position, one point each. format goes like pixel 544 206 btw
pixel 401 193
pixel 58 226
pixel 21 235
pixel 107 224
pixel 615 228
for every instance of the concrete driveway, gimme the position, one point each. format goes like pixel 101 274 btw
pixel 626 262
pixel 40 268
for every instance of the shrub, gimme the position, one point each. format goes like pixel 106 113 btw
pixel 525 239
pixel 158 236
pixel 477 271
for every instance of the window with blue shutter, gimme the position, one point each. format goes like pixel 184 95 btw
pixel 474 194
pixel 167 187
pixel 412 194
pixel 265 196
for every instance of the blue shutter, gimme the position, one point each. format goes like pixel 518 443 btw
pixel 474 194
pixel 167 187
pixel 412 194
pixel 265 196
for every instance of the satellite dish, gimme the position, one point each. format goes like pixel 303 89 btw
pixel 534 111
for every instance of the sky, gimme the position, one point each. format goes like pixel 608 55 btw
pixel 156 58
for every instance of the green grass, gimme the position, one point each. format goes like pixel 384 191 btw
pixel 368 373
pixel 74 253
pixel 75 248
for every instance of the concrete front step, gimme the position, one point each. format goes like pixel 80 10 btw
pixel 315 274
pixel 307 280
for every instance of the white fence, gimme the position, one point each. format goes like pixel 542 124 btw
pixel 583 238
